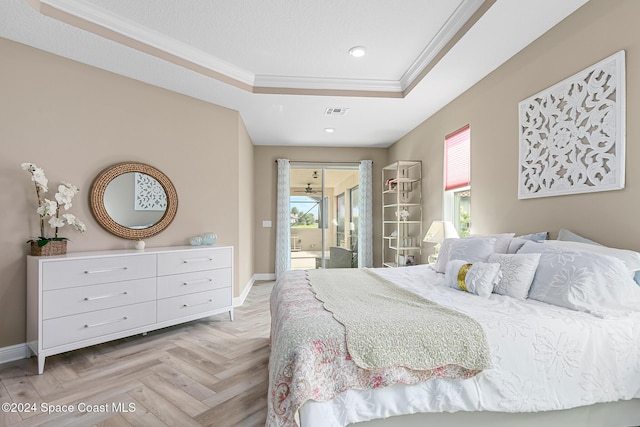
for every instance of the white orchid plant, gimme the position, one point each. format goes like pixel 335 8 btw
pixel 52 208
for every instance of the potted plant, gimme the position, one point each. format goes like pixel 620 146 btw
pixel 52 245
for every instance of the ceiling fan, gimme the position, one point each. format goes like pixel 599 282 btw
pixel 308 190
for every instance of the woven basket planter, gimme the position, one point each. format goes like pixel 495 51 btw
pixel 53 247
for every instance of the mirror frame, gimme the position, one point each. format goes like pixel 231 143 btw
pixel 96 200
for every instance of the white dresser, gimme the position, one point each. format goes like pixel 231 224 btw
pixel 86 298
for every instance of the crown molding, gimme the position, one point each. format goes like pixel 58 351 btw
pixel 324 83
pixel 119 29
pixel 448 31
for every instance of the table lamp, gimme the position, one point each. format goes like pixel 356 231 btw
pixel 438 231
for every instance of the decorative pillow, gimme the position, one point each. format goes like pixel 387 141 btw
pixel 443 255
pixel 582 280
pixel 518 271
pixel 536 237
pixel 473 249
pixel 515 244
pixel 630 258
pixel 502 241
pixel 568 236
pixel 478 278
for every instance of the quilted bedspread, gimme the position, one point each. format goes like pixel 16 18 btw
pixel 309 358
pixel 388 326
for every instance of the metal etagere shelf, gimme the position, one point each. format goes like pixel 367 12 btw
pixel 402 213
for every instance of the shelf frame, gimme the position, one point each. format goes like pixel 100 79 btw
pixel 402 190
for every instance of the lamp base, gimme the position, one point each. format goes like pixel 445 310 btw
pixel 434 256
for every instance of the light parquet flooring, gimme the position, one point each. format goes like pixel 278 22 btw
pixel 211 372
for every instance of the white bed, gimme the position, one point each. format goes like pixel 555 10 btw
pixel 551 366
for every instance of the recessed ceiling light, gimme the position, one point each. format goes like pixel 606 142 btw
pixel 357 51
pixel 329 130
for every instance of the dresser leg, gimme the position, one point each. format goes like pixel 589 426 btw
pixel 231 314
pixel 41 364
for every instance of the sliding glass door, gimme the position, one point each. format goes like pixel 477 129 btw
pixel 323 220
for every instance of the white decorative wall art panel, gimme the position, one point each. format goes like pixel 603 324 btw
pixel 149 194
pixel 572 135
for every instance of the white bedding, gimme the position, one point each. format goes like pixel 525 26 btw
pixel 545 358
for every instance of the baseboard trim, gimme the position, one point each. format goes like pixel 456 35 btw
pixel 238 301
pixel 264 276
pixel 14 352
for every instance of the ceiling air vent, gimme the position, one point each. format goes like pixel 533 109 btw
pixel 335 111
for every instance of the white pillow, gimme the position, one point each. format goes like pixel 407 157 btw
pixel 502 241
pixel 515 244
pixel 569 236
pixel 536 237
pixel 478 278
pixel 582 280
pixel 630 258
pixel 476 249
pixel 443 255
pixel 518 271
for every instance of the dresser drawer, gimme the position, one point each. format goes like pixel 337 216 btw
pixel 189 283
pixel 93 271
pixel 198 260
pixel 186 305
pixel 65 330
pixel 83 299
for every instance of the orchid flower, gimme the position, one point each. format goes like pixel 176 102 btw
pixel 51 208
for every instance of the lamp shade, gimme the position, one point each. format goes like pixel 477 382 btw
pixel 440 230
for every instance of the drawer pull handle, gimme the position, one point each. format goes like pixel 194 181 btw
pixel 108 270
pixel 105 323
pixel 197 282
pixel 190 260
pixel 105 296
pixel 193 305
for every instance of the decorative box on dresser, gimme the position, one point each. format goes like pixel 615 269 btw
pixel 86 298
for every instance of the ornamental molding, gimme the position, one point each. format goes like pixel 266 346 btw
pixel 572 135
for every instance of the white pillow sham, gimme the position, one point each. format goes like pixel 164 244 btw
pixel 502 241
pixel 477 278
pixel 570 236
pixel 515 244
pixel 473 249
pixel 517 271
pixel 582 280
pixel 630 258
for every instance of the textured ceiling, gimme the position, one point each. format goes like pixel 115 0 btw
pixel 281 63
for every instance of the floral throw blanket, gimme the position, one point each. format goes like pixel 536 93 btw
pixel 309 356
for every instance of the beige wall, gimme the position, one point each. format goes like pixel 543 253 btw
pixel 597 30
pixel 265 192
pixel 246 211
pixel 74 120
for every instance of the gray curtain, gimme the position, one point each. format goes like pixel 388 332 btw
pixel 283 224
pixel 365 225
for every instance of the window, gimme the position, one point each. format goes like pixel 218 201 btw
pixel 457 180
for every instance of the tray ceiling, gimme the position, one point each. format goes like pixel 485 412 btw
pixel 282 63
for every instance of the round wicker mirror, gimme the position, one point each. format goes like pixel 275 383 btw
pixel 133 200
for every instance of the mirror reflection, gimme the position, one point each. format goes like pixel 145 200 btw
pixel 135 200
